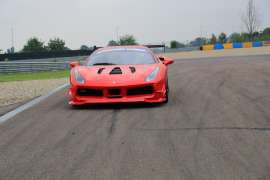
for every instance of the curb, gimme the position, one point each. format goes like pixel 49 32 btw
pixel 30 104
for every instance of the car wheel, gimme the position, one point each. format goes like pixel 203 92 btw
pixel 167 92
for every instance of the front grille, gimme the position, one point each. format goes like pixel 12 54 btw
pixel 114 92
pixel 90 92
pixel 140 91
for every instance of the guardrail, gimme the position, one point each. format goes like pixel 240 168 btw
pixel 51 64
pixel 63 59
pixel 12 67
pixel 55 54
pixel 219 46
pixel 44 55
pixel 266 43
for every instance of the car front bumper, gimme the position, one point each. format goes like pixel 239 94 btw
pixel 123 96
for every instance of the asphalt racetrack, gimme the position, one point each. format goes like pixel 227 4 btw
pixel 215 127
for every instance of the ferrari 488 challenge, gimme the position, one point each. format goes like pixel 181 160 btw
pixel 120 74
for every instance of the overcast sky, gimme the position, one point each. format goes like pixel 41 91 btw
pixel 95 22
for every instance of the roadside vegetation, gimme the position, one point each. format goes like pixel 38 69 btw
pixel 123 41
pixel 34 76
pixel 36 45
pixel 175 44
pixel 235 37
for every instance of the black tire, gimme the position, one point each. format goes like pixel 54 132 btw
pixel 167 92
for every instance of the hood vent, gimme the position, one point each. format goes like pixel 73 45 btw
pixel 132 69
pixel 100 70
pixel 116 70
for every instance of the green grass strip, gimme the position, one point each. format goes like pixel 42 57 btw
pixel 34 76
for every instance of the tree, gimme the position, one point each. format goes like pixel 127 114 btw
pixel 34 45
pixel 266 31
pixel 113 43
pixel 236 37
pixel 127 40
pixel 199 41
pixel 245 37
pixel 213 39
pixel 222 38
pixel 84 48
pixel 175 44
pixel 251 19
pixel 1 51
pixel 56 44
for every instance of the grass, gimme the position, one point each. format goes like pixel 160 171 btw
pixel 34 76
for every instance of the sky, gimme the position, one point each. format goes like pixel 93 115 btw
pixel 95 22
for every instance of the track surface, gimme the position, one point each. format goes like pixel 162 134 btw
pixel 216 127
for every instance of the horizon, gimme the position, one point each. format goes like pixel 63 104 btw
pixel 151 23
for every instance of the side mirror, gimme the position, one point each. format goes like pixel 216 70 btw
pixel 166 61
pixel 74 64
pixel 161 58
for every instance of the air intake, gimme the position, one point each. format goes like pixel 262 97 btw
pixel 140 91
pixel 132 69
pixel 116 70
pixel 100 70
pixel 90 92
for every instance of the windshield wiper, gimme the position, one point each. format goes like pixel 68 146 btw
pixel 98 64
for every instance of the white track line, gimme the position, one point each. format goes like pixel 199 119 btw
pixel 30 104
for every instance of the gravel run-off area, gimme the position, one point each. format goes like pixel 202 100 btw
pixel 21 91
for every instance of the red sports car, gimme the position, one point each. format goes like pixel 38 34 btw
pixel 120 74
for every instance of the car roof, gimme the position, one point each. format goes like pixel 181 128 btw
pixel 124 47
pixel 139 47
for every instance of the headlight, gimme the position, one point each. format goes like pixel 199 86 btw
pixel 152 75
pixel 79 77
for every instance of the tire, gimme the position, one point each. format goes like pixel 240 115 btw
pixel 167 92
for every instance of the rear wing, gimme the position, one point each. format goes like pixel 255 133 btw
pixel 156 46
pixel 149 46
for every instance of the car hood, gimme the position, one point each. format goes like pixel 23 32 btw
pixel 124 74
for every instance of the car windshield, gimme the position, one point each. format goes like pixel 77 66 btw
pixel 121 56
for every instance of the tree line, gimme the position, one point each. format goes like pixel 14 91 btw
pixel 232 38
pixel 36 45
pixel 238 37
pixel 224 38
pixel 123 41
